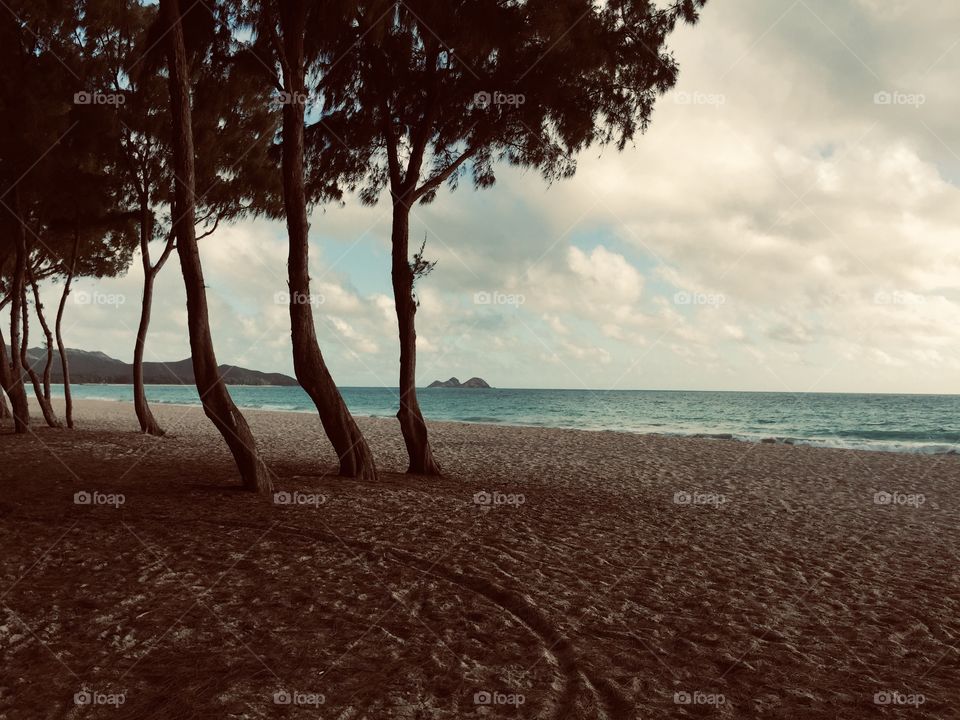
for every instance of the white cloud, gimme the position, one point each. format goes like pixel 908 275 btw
pixel 782 213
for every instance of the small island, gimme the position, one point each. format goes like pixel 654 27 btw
pixel 472 383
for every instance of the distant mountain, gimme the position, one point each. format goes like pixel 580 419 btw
pixel 96 367
pixel 472 383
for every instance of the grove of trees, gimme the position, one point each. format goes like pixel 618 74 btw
pixel 130 130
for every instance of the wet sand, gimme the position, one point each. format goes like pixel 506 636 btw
pixel 599 575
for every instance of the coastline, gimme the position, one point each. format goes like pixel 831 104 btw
pixel 931 449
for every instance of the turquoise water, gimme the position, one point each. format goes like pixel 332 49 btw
pixel 900 423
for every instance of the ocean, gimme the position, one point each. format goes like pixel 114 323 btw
pixel 895 423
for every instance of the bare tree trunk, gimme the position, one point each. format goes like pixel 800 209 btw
pixel 16 390
pixel 217 403
pixel 58 329
pixel 6 379
pixel 412 425
pixel 148 424
pixel 42 400
pixel 48 336
pixel 311 370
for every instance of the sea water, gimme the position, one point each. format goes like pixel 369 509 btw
pixel 899 423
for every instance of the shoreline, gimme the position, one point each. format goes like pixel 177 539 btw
pixel 929 450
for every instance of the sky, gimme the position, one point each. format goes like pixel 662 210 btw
pixel 790 222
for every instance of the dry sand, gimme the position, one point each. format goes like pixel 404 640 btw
pixel 599 596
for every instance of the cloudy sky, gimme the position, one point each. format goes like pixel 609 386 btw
pixel 790 222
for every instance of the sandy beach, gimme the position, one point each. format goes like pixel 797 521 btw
pixel 598 575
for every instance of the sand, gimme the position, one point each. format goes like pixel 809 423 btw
pixel 611 576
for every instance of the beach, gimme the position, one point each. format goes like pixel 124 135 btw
pixel 549 574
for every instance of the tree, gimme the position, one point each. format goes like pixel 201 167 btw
pixel 437 88
pixel 34 77
pixel 293 36
pixel 231 123
pixel 217 403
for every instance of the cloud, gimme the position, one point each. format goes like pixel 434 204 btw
pixel 790 221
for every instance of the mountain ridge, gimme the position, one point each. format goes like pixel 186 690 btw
pixel 92 367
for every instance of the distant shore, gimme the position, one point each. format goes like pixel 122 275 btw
pixel 616 575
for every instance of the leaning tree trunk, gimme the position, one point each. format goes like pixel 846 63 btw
pixel 48 336
pixel 217 403
pixel 46 408
pixel 6 379
pixel 148 424
pixel 58 329
pixel 16 390
pixel 412 425
pixel 311 370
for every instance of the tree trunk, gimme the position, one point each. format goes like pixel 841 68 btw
pixel 58 329
pixel 16 390
pixel 148 424
pixel 412 425
pixel 42 400
pixel 6 379
pixel 311 370
pixel 217 403
pixel 48 336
